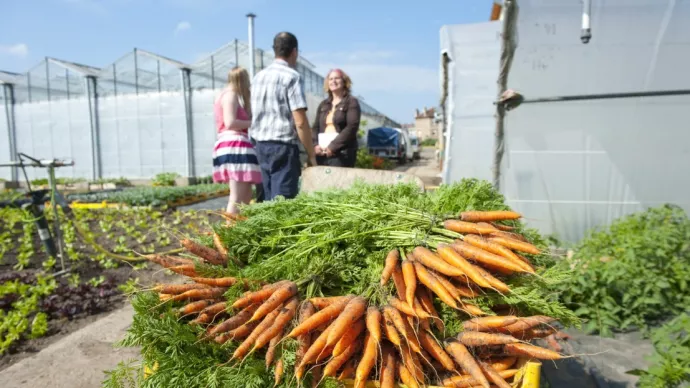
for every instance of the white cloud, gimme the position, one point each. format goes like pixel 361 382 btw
pixel 377 71
pixel 19 50
pixel 182 26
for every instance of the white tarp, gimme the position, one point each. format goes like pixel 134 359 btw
pixel 570 166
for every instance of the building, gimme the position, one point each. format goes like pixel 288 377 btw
pixel 425 123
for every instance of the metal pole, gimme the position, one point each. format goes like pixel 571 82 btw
pixel 187 95
pixel 56 219
pixel 8 94
pixel 252 68
pixel 136 72
pixel 237 53
pixel 507 51
pixel 92 96
pixel 213 73
pixel 47 79
pixel 586 33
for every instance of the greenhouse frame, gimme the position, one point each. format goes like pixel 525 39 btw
pixel 141 115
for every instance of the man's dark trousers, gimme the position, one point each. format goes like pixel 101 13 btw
pixel 280 168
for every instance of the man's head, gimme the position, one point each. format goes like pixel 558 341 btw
pixel 285 47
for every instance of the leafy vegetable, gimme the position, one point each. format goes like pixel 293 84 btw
pixel 149 196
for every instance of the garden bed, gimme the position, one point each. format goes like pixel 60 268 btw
pixel 161 196
pixel 37 307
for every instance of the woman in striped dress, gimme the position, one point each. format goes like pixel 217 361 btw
pixel 234 159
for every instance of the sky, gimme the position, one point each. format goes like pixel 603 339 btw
pixel 390 48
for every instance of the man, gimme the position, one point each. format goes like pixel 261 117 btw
pixel 279 120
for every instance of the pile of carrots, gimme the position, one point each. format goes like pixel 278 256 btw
pixel 347 338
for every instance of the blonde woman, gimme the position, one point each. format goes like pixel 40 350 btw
pixel 234 159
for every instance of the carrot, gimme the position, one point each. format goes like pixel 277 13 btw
pixel 320 317
pixel 194 307
pixel 406 377
pixel 219 244
pixel 391 332
pixel 206 293
pixel 411 361
pixel 493 376
pixel 202 319
pixel 536 332
pixel 233 322
pixel 525 260
pixel 337 361
pixel 502 227
pixel 169 261
pixel 497 249
pixel 278 373
pixel 428 305
pixel 215 309
pixel 207 254
pixel 401 326
pixel 348 371
pixel 435 350
pixel 272 346
pixel 478 338
pixel 350 336
pixel 316 376
pixel 399 281
pixel 454 258
pixel 494 282
pixel 488 323
pixel 243 331
pixel 426 278
pixel 517 245
pixel 452 290
pixel 217 282
pixel 489 216
pixel 530 351
pixel 466 361
pixel 321 303
pixel 368 360
pixel 165 297
pixel 304 341
pixel 466 292
pixel 244 347
pixel 387 378
pixel 471 309
pixel 373 323
pixel 433 261
pixel 184 269
pixel 480 255
pixel 503 363
pixel 467 381
pixel 354 310
pixel 284 317
pixel 410 281
pixel 251 297
pixel 509 235
pixel 176 289
pixel 391 261
pixel 406 309
pixel 466 227
pixel 317 348
pixel 526 323
pixel 276 299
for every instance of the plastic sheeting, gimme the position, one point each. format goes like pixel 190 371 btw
pixel 5 173
pixel 572 166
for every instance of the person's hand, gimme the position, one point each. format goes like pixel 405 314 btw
pixel 318 150
pixel 329 153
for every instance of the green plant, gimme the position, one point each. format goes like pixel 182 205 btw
pixel 670 363
pixel 632 273
pixel 366 160
pixel 428 142
pixel 165 179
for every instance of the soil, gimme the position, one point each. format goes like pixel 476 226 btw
pixel 71 307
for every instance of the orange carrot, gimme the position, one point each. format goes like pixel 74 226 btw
pixel 410 281
pixel 353 311
pixel 251 297
pixel 233 322
pixel 348 371
pixel 521 246
pixel 465 292
pixel 480 255
pixel 373 323
pixel 391 261
pixel 450 287
pixel 488 216
pixel 467 381
pixel 165 297
pixel 406 309
pixel 466 227
pixel 493 376
pixel 435 350
pixel 471 309
pixel 320 317
pixel 317 348
pixel 207 254
pixel 391 332
pixel 525 323
pixel 400 325
pixel 244 347
pixel 428 305
pixel 219 244
pixel 497 249
pixel 406 377
pixel 502 227
pixel 278 373
pixel 215 309
pixel 426 278
pixel 366 364
pixel 411 360
pixel 493 281
pixel 217 282
pixel 478 338
pixel 276 299
pixel 206 293
pixel 387 378
pixel 243 331
pixel 194 307
pixel 270 353
pixel 323 302
pixel 525 260
pixel 488 323
pixel 509 235
pixel 337 361
pixel 284 317
pixel 351 335
pixel 466 361
pixel 306 310
pixel 536 332
pixel 185 270
pixel 433 261
pixel 176 289
pixel 399 281
pixel 202 319
pixel 452 257
pixel 531 351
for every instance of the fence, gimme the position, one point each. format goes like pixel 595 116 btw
pixel 142 115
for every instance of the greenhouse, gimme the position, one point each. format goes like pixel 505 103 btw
pixel 139 116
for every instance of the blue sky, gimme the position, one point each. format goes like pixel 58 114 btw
pixel 390 48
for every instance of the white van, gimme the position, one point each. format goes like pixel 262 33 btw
pixel 407 144
pixel 414 142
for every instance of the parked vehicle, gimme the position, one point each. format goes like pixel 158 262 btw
pixel 414 145
pixel 391 143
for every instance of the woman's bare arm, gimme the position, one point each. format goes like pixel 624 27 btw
pixel 230 103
